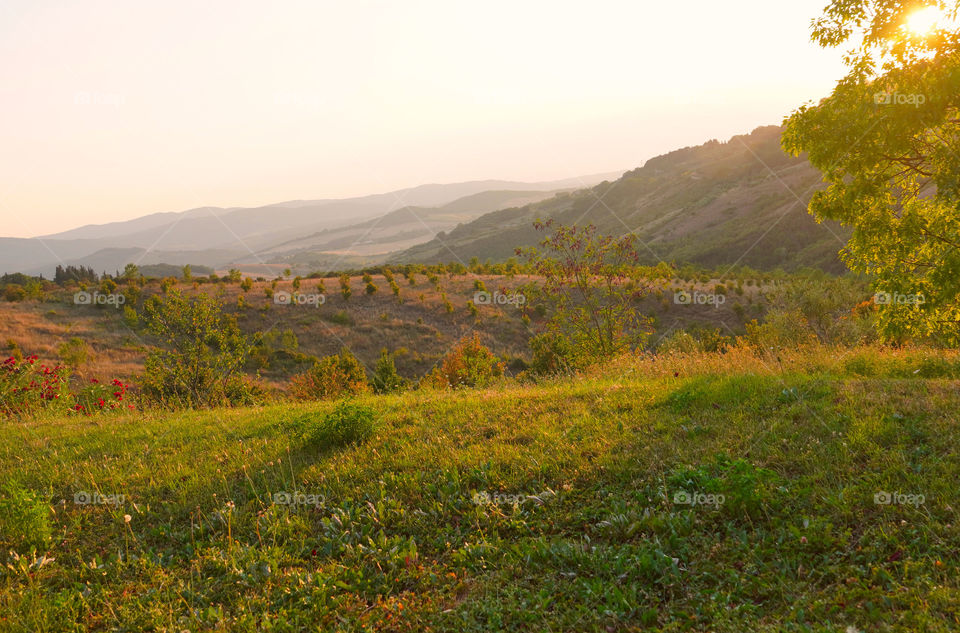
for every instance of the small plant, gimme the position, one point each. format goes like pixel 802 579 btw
pixel 74 352
pixel 347 424
pixel 553 354
pixel 331 377
pixel 24 519
pixel 341 317
pixel 469 364
pixel 385 377
pixel 14 292
pixel 345 286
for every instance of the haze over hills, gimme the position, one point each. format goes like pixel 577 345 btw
pixel 217 236
pixel 718 204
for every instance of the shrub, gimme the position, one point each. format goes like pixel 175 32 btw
pixel 698 339
pixel 331 377
pixel 26 387
pixel 341 317
pixel 347 424
pixel 678 342
pixel 553 354
pixel 385 377
pixel 584 280
pixel 469 364
pixel 779 330
pixel 74 352
pixel 14 292
pixel 202 353
pixel 24 519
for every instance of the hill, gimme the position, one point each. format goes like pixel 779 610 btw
pixel 693 493
pixel 215 236
pixel 718 204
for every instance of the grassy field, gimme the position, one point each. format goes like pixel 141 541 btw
pixel 709 493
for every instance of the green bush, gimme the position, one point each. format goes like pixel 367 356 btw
pixel 678 342
pixel 385 377
pixel 553 354
pixel 201 354
pixel 348 423
pixel 780 330
pixel 75 352
pixel 331 377
pixel 24 519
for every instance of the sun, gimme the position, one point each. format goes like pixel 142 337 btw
pixel 923 21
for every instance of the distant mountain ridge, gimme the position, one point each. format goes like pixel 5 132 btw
pixel 217 236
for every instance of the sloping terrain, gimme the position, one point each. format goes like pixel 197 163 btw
pixel 740 202
pixel 717 494
pixel 216 236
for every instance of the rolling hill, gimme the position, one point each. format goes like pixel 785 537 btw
pixel 221 237
pixel 718 204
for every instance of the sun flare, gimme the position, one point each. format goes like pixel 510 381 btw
pixel 923 21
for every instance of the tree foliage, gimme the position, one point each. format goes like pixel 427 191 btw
pixel 887 142
pixel 201 355
pixel 589 283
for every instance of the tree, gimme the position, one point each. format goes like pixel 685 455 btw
pixel 385 377
pixel 130 272
pixel 200 356
pixel 887 140
pixel 589 283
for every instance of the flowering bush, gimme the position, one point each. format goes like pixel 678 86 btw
pixel 27 387
pixel 99 397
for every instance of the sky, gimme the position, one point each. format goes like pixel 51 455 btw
pixel 111 109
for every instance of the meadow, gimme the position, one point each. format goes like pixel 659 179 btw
pixel 810 489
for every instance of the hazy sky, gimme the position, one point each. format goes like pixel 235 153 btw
pixel 114 109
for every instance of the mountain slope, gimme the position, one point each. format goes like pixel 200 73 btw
pixel 740 202
pixel 397 230
pixel 217 236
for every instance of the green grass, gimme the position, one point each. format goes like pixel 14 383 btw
pixel 537 507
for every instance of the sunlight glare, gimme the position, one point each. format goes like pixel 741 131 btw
pixel 923 21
